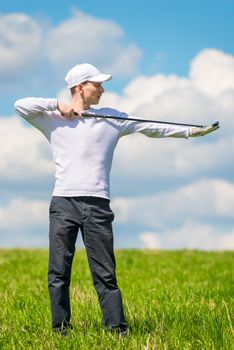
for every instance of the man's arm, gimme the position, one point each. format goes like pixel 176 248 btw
pixel 31 107
pixel 158 130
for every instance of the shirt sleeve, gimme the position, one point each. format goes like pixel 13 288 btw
pixel 37 112
pixel 31 107
pixel 153 129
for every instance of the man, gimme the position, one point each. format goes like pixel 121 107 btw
pixel 83 150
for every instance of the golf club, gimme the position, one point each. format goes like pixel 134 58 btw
pixel 92 115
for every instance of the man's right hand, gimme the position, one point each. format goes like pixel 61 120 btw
pixel 67 111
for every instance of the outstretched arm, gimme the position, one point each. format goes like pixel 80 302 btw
pixel 157 129
pixel 152 128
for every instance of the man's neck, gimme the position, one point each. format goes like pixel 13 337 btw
pixel 78 104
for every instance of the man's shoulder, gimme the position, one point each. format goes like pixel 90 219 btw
pixel 106 111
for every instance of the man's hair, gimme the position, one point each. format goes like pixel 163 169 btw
pixel 73 90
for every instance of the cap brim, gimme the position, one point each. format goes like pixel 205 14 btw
pixel 100 78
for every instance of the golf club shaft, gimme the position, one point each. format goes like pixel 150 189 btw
pixel 137 120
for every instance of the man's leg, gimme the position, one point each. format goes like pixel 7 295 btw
pixel 98 239
pixel 63 234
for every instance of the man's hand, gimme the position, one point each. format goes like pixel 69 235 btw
pixel 201 131
pixel 67 111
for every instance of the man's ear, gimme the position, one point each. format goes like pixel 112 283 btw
pixel 79 88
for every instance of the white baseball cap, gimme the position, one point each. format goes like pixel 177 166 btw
pixel 85 72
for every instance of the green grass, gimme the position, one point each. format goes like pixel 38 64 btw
pixel 173 300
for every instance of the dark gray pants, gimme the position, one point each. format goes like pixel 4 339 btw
pixel 93 217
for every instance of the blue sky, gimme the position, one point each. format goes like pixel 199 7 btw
pixel 171 60
pixel 169 33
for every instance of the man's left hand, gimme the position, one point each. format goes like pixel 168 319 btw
pixel 201 131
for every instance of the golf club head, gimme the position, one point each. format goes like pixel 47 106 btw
pixel 210 129
pixel 216 124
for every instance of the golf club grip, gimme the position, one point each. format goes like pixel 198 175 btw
pixel 88 115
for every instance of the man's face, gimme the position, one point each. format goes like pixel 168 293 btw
pixel 92 92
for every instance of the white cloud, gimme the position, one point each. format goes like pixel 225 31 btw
pixel 139 157
pixel 189 99
pixel 64 95
pixel 26 44
pixel 142 91
pixel 84 38
pixel 20 45
pixel 212 72
pixel 202 200
pixel 191 235
pixel 25 153
pixel 151 240
pixel 22 213
pixel 25 223
pixel 226 99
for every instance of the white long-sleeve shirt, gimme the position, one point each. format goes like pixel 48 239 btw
pixel 83 148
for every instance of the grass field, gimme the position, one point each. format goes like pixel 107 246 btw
pixel 173 300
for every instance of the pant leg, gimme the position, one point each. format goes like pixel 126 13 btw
pixel 62 237
pixel 98 239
